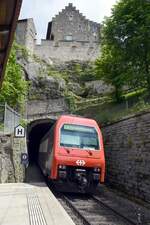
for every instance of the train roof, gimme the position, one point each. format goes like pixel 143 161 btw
pixel 76 119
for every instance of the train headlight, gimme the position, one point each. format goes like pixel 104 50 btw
pixel 62 172
pixel 97 170
pixel 62 167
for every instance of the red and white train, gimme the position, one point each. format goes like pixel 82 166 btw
pixel 72 154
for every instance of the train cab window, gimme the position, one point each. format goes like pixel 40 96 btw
pixel 78 136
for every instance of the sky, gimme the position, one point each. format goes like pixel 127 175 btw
pixel 42 11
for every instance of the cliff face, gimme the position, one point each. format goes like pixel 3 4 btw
pixel 58 88
pixel 46 96
pixel 59 67
pixel 46 91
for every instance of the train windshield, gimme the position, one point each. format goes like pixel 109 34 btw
pixel 77 136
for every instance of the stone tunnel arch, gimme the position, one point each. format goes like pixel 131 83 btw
pixel 35 131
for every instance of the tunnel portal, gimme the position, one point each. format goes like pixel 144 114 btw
pixel 35 131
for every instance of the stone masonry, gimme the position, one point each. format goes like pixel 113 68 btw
pixel 71 25
pixel 51 107
pixel 11 169
pixel 26 33
pixel 70 36
pixel 127 149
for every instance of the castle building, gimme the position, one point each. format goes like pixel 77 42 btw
pixel 70 36
pixel 26 34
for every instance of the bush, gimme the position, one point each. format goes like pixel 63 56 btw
pixel 14 88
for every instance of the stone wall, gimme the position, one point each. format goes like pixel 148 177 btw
pixel 70 25
pixel 21 31
pixel 98 87
pixel 74 37
pixel 11 169
pixel 26 33
pixel 127 149
pixel 65 51
pixel 47 107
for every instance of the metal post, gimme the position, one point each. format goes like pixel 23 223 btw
pixel 11 119
pixel 127 105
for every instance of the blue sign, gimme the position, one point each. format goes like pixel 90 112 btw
pixel 24 159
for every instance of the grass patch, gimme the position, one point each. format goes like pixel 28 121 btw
pixel 111 111
pixel 134 94
pixel 85 103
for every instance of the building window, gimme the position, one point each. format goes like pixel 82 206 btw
pixel 70 17
pixel 52 37
pixel 79 27
pixel 94 29
pixel 68 38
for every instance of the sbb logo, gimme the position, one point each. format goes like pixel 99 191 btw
pixel 80 162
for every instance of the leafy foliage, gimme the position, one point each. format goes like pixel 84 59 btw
pixel 110 111
pixel 79 71
pixel 125 58
pixel 70 99
pixel 73 71
pixel 14 88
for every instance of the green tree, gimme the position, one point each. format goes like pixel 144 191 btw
pixel 14 88
pixel 126 44
pixel 88 72
pixel 109 68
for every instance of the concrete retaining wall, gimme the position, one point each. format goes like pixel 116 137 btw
pixel 11 169
pixel 127 149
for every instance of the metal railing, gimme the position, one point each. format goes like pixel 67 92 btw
pixel 9 119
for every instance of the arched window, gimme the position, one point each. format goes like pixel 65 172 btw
pixel 70 17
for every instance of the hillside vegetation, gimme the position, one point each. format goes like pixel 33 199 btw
pixel 15 87
pixel 125 58
pixel 116 85
pixel 124 61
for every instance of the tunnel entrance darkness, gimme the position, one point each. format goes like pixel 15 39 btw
pixel 36 130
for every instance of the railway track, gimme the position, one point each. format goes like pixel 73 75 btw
pixel 90 210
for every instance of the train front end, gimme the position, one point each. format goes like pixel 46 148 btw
pixel 79 162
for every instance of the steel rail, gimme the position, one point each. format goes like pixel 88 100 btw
pixel 100 202
pixel 101 205
pixel 77 212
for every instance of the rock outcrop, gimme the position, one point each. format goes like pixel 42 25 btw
pixel 11 169
pixel 98 87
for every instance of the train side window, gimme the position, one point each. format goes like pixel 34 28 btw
pixel 51 135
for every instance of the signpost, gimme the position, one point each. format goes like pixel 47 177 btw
pixel 19 131
pixel 24 159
